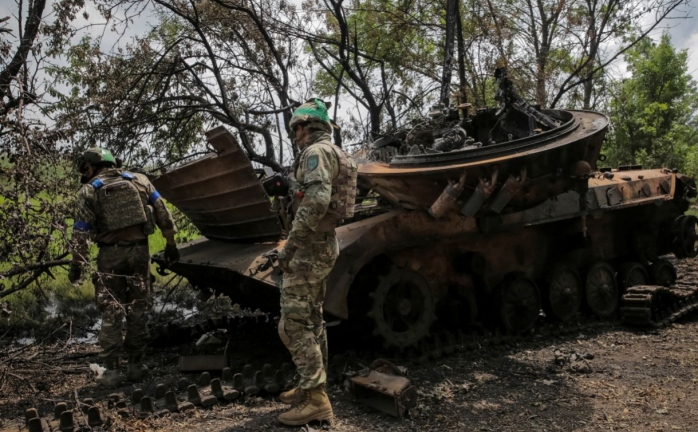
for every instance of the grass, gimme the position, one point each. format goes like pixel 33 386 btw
pixel 29 306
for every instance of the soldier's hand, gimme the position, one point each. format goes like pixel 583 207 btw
pixel 75 272
pixel 171 254
pixel 285 257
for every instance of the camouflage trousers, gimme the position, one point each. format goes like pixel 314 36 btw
pixel 302 327
pixel 122 290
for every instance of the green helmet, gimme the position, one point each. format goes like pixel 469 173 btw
pixel 313 112
pixel 95 156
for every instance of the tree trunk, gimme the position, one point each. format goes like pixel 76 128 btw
pixel 461 58
pixel 541 93
pixel 451 14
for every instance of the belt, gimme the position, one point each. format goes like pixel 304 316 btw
pixel 142 242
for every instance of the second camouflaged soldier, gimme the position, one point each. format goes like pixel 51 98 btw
pixel 118 210
pixel 323 184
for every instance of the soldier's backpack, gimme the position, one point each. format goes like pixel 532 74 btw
pixel 119 203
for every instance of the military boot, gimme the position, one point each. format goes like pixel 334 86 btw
pixel 136 369
pixel 313 405
pixel 290 397
pixel 111 377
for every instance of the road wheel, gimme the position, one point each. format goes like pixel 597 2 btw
pixel 519 303
pixel 564 293
pixel 633 274
pixel 601 290
pixel 402 308
pixel 663 273
pixel 685 237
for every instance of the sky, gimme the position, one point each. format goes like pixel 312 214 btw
pixel 684 32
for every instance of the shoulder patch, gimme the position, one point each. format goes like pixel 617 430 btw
pixel 127 175
pixel 312 162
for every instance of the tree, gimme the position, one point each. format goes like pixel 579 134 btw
pixel 595 26
pixel 35 181
pixel 223 61
pixel 653 112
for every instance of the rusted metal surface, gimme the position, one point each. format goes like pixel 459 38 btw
pixel 518 210
pixel 385 389
pixel 221 194
pixel 523 241
pixel 549 159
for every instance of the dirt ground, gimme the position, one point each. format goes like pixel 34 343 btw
pixel 608 377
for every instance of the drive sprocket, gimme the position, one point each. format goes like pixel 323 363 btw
pixel 402 308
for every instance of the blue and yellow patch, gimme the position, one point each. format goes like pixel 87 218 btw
pixel 312 162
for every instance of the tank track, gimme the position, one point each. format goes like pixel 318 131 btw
pixel 646 306
pixel 163 399
pixel 658 306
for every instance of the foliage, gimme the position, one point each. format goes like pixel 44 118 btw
pixel 246 63
pixel 653 112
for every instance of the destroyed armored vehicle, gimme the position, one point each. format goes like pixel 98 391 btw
pixel 513 145
pixel 514 218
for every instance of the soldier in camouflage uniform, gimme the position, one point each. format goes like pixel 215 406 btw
pixel 323 184
pixel 118 210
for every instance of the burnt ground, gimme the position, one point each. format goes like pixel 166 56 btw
pixel 605 376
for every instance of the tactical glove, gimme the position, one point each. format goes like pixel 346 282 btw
pixel 171 254
pixel 286 255
pixel 75 272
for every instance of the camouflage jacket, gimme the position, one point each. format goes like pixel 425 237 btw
pixel 314 170
pixel 87 223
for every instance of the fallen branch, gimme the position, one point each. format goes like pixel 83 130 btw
pixel 38 271
pixel 26 381
pixel 36 266
pixel 68 371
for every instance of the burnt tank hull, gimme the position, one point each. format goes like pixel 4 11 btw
pixel 519 242
pixel 399 268
pixel 548 161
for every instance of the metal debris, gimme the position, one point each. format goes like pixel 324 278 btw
pixel 146 407
pixel 249 378
pixel 205 379
pixel 94 418
pixel 385 389
pixel 136 396
pixel 227 375
pixel 160 391
pixel 67 424
pixel 59 409
pixel 30 414
pixel 171 401
pixel 193 395
pixel 34 425
pixel 182 384
pixel 220 392
pixel 86 405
